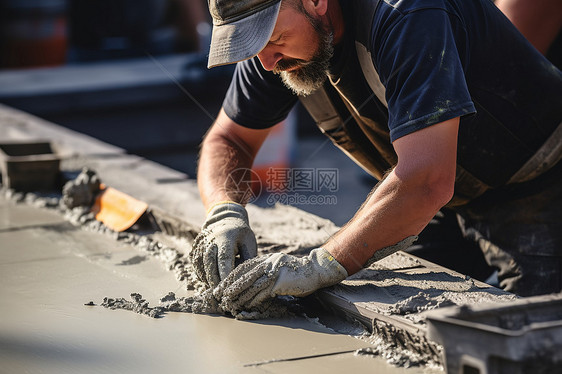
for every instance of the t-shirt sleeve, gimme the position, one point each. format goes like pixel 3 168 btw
pixel 420 63
pixel 257 98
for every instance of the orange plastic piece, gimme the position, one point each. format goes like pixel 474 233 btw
pixel 117 210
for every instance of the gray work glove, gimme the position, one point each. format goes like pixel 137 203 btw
pixel 225 234
pixel 253 285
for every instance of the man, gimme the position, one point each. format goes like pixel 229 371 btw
pixel 442 100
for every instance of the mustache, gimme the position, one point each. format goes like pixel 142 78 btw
pixel 290 64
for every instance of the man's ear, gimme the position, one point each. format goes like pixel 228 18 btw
pixel 319 7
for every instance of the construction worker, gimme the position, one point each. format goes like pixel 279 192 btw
pixel 444 101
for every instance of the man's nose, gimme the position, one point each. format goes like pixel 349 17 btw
pixel 269 58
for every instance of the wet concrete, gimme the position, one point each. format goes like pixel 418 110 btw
pixel 52 271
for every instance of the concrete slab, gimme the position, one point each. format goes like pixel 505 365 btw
pixel 50 269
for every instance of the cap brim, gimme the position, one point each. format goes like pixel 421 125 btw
pixel 243 39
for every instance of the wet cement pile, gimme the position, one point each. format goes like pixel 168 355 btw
pixel 396 346
pixel 397 354
pixel 414 306
pixel 401 347
pixel 203 303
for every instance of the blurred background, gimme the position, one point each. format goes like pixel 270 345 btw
pixel 114 69
pixel 133 73
pixel 58 32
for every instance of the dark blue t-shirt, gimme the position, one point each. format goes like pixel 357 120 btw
pixel 437 60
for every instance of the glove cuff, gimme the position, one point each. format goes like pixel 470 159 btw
pixel 217 204
pixel 225 209
pixel 387 251
pixel 330 270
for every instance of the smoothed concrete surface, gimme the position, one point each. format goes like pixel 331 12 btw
pixel 49 269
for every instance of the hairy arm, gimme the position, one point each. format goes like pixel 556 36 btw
pixel 404 202
pixel 228 150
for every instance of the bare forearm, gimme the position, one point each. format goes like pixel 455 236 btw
pixel 225 160
pixel 221 164
pixel 406 200
pixel 393 211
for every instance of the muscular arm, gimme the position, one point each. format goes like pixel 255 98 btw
pixel 227 147
pixel 405 201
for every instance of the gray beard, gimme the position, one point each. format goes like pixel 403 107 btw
pixel 312 74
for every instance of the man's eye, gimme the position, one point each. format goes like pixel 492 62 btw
pixel 277 40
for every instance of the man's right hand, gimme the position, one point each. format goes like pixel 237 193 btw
pixel 225 234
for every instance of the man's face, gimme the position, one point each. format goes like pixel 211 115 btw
pixel 299 50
